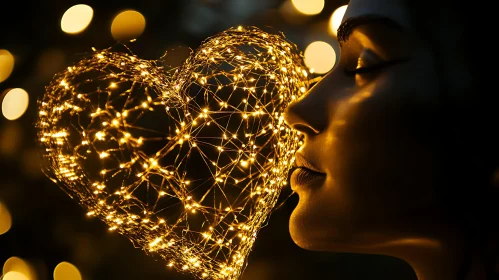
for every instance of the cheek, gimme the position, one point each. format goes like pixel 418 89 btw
pixel 386 151
pixel 382 165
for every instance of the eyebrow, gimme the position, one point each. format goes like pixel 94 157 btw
pixel 349 25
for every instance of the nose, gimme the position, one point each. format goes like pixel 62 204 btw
pixel 309 113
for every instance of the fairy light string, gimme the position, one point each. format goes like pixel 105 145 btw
pixel 186 162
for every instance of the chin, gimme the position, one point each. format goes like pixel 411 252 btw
pixel 312 229
pixel 302 235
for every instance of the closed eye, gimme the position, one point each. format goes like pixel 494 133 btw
pixel 372 69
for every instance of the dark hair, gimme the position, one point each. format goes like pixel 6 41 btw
pixel 466 122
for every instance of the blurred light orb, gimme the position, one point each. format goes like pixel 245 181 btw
pixel 15 103
pixel 6 64
pixel 320 57
pixel 66 271
pixel 77 18
pixel 5 219
pixel 18 269
pixel 128 25
pixel 309 7
pixel 14 275
pixel 336 18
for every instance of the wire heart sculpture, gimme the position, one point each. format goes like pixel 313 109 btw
pixel 186 162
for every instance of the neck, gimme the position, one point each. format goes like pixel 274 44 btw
pixel 434 259
pixel 449 257
pixel 443 256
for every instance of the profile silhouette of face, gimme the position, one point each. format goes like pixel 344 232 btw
pixel 369 126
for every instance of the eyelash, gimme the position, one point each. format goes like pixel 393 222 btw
pixel 373 68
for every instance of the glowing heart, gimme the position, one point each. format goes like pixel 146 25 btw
pixel 186 162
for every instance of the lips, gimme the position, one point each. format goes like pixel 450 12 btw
pixel 304 173
pixel 301 161
pixel 302 177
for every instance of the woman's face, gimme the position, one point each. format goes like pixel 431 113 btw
pixel 372 132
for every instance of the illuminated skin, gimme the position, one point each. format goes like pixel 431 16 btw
pixel 372 134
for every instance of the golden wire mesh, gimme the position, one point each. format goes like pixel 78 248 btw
pixel 186 162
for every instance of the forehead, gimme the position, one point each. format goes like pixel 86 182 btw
pixel 393 9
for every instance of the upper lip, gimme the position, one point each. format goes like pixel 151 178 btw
pixel 302 162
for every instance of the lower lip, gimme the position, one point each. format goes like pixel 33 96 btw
pixel 302 177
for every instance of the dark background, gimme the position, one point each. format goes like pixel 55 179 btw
pixel 48 227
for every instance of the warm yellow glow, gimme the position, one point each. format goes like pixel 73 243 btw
pixel 11 136
pixel 128 25
pixel 15 103
pixel 77 18
pixel 309 7
pixel 14 275
pixel 5 219
pixel 66 271
pixel 6 64
pixel 194 182
pixel 16 266
pixel 336 18
pixel 320 57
